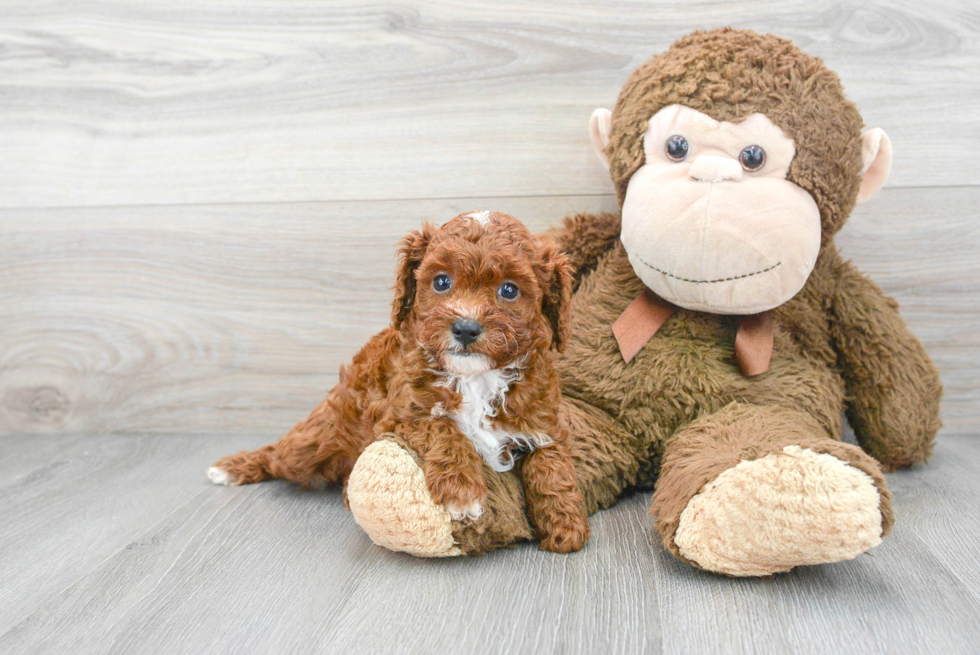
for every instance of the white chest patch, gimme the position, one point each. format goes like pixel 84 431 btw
pixel 483 395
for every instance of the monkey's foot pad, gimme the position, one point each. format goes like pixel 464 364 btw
pixel 787 509
pixel 391 502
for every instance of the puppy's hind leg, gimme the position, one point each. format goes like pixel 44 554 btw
pixel 244 468
pixel 314 452
pixel 323 448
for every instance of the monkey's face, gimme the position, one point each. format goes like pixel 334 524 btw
pixel 710 221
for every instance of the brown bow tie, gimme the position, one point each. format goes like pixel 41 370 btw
pixel 645 315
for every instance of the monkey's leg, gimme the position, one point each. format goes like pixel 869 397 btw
pixel 389 499
pixel 752 491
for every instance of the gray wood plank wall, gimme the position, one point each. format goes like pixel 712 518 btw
pixel 199 201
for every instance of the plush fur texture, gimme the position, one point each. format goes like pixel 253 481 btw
pixel 732 74
pixel 728 527
pixel 451 398
pixel 704 234
pixel 708 447
pixel 680 415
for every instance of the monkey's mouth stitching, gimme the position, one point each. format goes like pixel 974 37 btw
pixel 722 279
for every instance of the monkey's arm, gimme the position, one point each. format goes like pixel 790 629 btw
pixel 893 387
pixel 585 238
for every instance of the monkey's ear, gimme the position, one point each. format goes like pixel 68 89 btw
pixel 411 250
pixel 555 276
pixel 876 163
pixel 600 126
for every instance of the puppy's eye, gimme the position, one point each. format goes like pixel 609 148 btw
pixel 508 291
pixel 752 158
pixel 441 283
pixel 677 148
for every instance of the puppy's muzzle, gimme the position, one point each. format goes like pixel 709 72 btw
pixel 466 331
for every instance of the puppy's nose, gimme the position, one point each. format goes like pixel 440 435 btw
pixel 466 330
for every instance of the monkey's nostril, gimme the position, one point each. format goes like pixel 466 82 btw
pixel 466 330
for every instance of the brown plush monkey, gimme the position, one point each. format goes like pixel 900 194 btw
pixel 717 334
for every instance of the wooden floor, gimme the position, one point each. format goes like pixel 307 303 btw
pixel 118 544
pixel 199 203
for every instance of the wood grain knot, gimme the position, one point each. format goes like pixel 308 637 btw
pixel 45 404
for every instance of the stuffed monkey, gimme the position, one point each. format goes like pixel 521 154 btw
pixel 717 334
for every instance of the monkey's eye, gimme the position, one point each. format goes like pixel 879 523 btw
pixel 752 158
pixel 508 291
pixel 677 148
pixel 441 283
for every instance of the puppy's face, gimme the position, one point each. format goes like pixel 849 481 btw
pixel 483 291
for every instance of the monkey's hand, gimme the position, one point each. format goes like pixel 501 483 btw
pixel 585 238
pixel 893 387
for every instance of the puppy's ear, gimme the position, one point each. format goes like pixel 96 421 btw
pixel 555 277
pixel 411 250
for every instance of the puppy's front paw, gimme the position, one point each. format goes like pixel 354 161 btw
pixel 566 533
pixel 462 496
pixel 459 512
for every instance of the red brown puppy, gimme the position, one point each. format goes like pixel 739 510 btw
pixel 464 375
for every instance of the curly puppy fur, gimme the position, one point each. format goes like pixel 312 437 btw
pixel 449 398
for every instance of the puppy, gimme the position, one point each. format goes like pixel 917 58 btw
pixel 464 375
